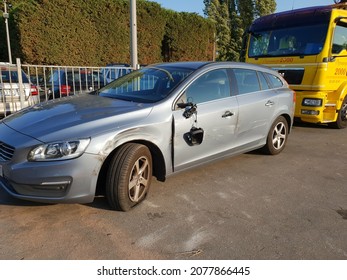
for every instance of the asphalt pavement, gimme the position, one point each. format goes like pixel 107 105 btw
pixel 252 206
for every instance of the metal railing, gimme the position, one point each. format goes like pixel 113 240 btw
pixel 23 85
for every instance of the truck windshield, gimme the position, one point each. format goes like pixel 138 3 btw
pixel 290 41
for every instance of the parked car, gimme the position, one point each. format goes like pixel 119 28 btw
pixel 64 82
pixel 10 100
pixel 113 71
pixel 37 79
pixel 157 121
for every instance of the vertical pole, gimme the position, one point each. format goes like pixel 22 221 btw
pixel 214 47
pixel 6 16
pixel 133 32
pixel 20 83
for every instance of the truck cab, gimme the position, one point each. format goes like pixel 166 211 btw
pixel 309 48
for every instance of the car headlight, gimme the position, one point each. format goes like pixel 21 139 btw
pixel 59 150
pixel 314 102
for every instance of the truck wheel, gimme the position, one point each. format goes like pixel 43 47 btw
pixel 129 176
pixel 277 137
pixel 341 121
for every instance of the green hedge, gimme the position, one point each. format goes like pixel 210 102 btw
pixel 97 32
pixel 187 37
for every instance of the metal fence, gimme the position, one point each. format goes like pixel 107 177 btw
pixel 23 85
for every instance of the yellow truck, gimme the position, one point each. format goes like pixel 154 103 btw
pixel 309 48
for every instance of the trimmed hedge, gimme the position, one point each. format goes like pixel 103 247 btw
pixel 187 37
pixel 97 32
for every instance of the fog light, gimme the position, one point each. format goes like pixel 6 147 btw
pixel 313 102
pixel 60 185
pixel 310 112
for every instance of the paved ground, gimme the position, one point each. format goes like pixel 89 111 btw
pixel 290 206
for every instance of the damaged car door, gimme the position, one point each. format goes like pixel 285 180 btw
pixel 205 120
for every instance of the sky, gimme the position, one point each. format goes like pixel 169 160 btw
pixel 197 6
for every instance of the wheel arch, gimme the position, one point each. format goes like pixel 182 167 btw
pixel 341 93
pixel 158 162
pixel 289 121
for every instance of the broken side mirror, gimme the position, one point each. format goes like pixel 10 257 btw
pixel 194 136
pixel 190 109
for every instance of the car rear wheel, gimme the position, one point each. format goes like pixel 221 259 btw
pixel 129 176
pixel 277 137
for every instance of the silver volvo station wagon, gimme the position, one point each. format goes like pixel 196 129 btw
pixel 155 121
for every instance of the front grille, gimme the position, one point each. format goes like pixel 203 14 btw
pixel 6 152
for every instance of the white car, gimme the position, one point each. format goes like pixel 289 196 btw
pixel 10 97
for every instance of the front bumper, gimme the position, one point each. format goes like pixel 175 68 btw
pixel 65 181
pixel 69 181
pixel 325 113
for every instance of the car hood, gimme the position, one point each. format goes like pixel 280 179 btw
pixel 76 117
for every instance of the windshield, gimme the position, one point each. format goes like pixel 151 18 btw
pixel 146 85
pixel 291 41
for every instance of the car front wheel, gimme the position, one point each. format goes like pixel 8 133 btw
pixel 277 137
pixel 129 176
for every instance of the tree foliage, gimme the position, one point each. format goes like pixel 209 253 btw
pixel 232 18
pixel 97 32
pixel 221 19
pixel 181 44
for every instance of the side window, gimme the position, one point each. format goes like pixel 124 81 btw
pixel 247 80
pixel 70 76
pixel 275 81
pixel 210 86
pixel 263 82
pixel 9 77
pixel 340 39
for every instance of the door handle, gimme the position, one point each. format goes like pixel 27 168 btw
pixel 227 114
pixel 269 103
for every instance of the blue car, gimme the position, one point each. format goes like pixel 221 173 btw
pixel 65 82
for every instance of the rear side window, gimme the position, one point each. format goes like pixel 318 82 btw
pixel 247 80
pixel 263 82
pixel 275 81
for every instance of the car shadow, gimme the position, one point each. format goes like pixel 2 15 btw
pixel 99 202
pixel 296 124
pixel 342 213
pixel 6 199
pixel 311 125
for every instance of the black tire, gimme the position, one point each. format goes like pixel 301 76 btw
pixel 341 121
pixel 277 137
pixel 129 176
